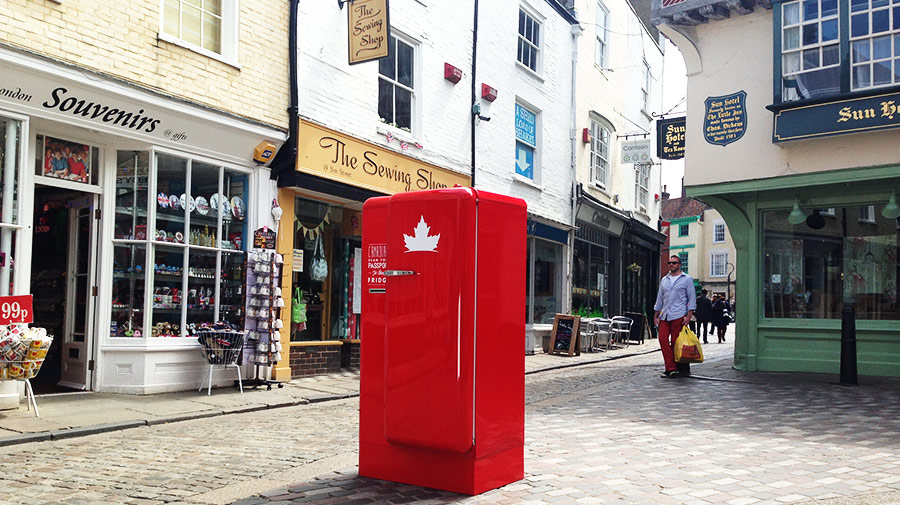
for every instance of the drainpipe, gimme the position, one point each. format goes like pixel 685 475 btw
pixel 289 149
pixel 573 134
pixel 474 95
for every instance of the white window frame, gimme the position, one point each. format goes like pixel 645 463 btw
pixel 713 256
pixel 601 49
pixel 718 225
pixel 600 171
pixel 642 185
pixel 413 104
pixel 867 214
pixel 646 82
pixel 893 50
pixel 521 38
pixel 228 43
pixel 536 168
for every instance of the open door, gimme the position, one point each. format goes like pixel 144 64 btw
pixel 77 349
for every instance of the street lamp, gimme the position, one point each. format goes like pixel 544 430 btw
pixel 728 280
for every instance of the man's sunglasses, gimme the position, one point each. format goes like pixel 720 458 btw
pixel 674 262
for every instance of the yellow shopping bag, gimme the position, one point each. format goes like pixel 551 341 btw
pixel 687 347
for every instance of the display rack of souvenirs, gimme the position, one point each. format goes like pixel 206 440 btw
pixel 22 352
pixel 264 303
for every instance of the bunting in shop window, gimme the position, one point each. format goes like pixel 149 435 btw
pixel 312 233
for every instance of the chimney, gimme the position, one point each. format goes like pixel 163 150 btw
pixel 683 195
pixel 665 194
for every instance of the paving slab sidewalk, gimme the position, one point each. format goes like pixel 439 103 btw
pixel 79 414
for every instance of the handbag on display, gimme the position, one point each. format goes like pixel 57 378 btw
pixel 298 307
pixel 318 269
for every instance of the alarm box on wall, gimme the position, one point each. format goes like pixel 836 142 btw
pixel 442 392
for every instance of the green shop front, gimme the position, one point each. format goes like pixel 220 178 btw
pixel 796 144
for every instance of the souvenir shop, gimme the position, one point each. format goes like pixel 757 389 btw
pixel 129 228
pixel 321 249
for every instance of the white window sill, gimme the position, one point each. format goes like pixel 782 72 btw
pixel 528 71
pixel 402 135
pixel 600 187
pixel 718 241
pixel 528 182
pixel 603 71
pixel 646 114
pixel 165 37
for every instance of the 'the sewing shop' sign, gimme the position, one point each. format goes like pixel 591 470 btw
pixel 368 29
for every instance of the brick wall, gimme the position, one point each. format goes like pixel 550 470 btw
pixel 350 354
pixel 120 39
pixel 315 360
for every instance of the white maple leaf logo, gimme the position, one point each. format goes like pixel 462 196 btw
pixel 420 240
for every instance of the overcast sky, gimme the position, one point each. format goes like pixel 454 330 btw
pixel 674 91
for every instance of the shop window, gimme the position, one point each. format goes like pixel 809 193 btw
pixel 529 42
pixel 719 232
pixel 601 52
pixel 208 27
pixel 66 160
pixel 684 230
pixel 809 37
pixel 589 279
pixel 396 84
pixel 546 282
pixel 10 150
pixel 683 256
pixel 812 273
pixel 334 234
pixel 527 153
pixel 184 244
pixel 600 138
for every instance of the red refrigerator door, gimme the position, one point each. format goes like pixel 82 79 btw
pixel 429 341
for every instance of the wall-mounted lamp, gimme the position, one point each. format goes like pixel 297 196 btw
pixel 796 216
pixel 891 210
pixel 615 198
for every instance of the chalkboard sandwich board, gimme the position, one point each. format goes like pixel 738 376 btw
pixel 566 336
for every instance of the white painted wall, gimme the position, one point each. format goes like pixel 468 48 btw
pixel 736 54
pixel 344 97
pixel 548 91
pixel 614 92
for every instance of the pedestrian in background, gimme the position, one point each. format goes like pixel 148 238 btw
pixel 675 304
pixel 704 315
pixel 721 316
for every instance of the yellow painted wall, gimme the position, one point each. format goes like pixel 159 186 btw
pixel 119 38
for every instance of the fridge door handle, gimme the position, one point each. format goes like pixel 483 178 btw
pixel 398 273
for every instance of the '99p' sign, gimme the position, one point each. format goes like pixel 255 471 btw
pixel 16 309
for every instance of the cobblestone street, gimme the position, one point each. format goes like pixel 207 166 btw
pixel 611 433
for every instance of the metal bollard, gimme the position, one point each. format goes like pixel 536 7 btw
pixel 848 347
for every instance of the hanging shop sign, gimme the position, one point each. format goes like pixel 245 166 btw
pixel 264 238
pixel 16 309
pixel 670 138
pixel 368 30
pixel 636 151
pixel 726 118
pixel 333 155
pixel 855 115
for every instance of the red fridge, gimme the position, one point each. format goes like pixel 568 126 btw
pixel 442 392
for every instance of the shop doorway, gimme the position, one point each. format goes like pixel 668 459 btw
pixel 63 269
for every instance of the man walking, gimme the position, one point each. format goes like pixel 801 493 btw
pixel 675 304
pixel 704 314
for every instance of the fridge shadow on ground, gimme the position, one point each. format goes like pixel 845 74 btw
pixel 349 487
